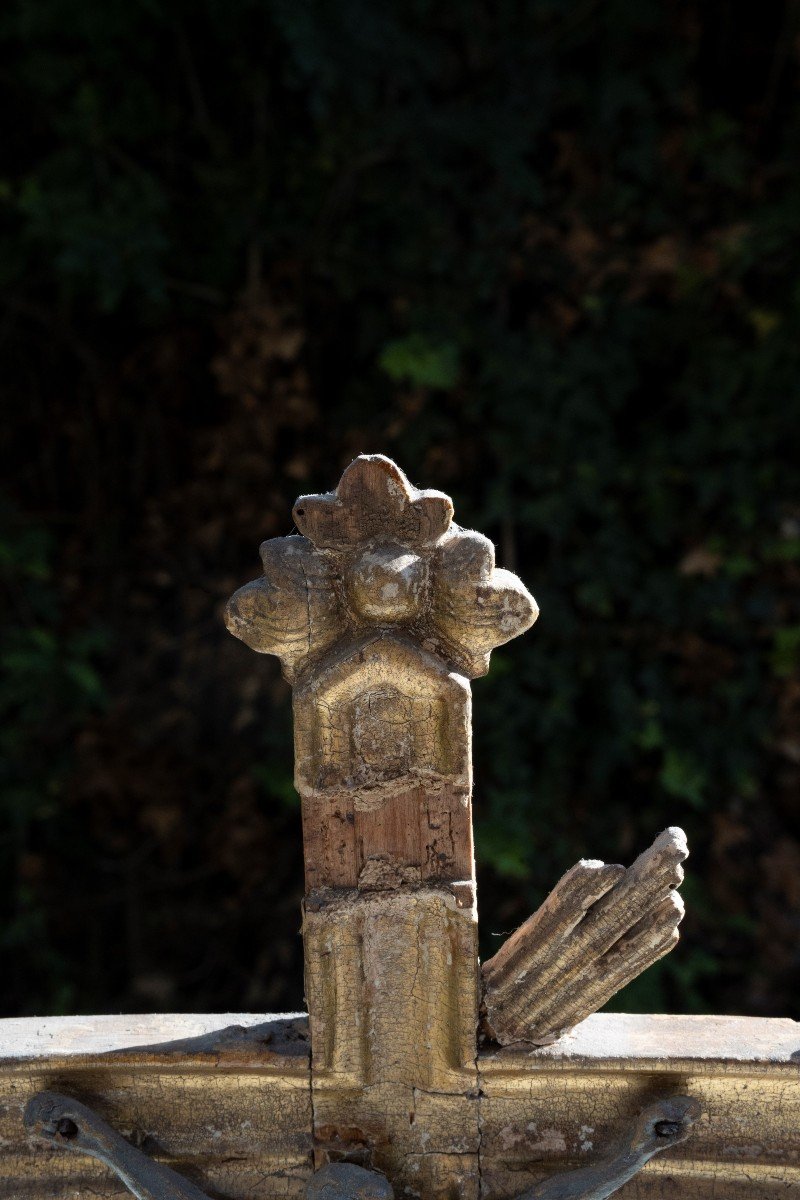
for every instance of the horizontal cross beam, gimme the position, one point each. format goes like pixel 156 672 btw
pixel 226 1100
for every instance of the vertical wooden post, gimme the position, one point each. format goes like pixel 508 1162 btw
pixel 381 610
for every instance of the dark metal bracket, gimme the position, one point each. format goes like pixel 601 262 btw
pixel 61 1121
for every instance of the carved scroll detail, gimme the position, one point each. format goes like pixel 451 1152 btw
pixel 599 928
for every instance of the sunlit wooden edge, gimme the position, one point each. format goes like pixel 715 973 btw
pixel 600 1039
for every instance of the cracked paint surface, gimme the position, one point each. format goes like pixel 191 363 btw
pixel 163 1079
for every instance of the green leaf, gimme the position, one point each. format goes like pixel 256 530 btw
pixel 785 657
pixel 683 777
pixel 420 361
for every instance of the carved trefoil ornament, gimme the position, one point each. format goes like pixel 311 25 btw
pixel 380 611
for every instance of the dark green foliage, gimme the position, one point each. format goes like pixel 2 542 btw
pixel 48 686
pixel 547 256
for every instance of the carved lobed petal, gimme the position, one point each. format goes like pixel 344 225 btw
pixel 379 553
pixel 294 610
pixel 599 928
pixel 475 606
pixel 374 500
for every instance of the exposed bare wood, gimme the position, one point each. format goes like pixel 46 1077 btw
pixel 409 837
pixel 600 927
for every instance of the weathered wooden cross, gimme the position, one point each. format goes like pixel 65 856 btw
pixel 456 1082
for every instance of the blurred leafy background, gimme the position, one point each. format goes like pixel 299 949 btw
pixel 545 254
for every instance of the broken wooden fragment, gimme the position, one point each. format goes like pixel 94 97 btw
pixel 599 928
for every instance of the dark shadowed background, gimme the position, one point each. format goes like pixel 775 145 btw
pixel 547 255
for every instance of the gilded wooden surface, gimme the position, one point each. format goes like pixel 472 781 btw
pixel 232 1110
pixel 554 1105
pixel 380 611
pixel 393 998
pixel 225 1100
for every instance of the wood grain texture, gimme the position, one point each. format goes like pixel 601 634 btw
pixel 411 837
pixel 600 927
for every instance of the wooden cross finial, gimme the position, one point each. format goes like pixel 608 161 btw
pixel 379 554
pixel 380 610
